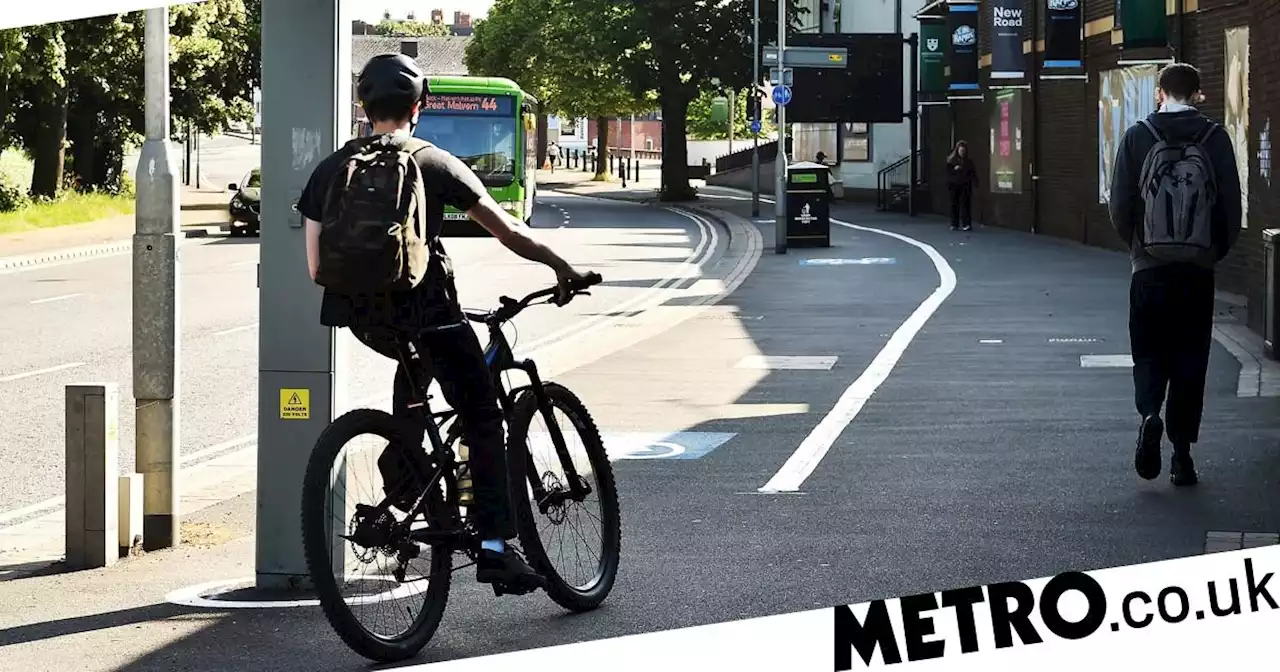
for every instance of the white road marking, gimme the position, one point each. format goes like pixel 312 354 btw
pixel 40 372
pixel 51 299
pixel 991 341
pixel 815 446
pixel 787 362
pixel 234 330
pixel 1106 361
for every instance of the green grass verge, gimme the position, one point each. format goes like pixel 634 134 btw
pixel 66 211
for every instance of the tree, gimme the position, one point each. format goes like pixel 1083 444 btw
pixel 510 43
pixel 701 126
pixel 562 52
pixel 673 48
pixel 411 27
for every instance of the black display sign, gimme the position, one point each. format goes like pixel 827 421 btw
pixel 868 90
pixel 468 104
pixel 1063 21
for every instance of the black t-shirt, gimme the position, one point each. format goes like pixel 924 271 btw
pixel 446 180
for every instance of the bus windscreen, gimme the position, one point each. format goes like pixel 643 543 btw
pixel 478 129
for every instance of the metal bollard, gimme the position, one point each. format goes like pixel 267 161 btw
pixel 92 453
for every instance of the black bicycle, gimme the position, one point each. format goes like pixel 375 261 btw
pixel 430 524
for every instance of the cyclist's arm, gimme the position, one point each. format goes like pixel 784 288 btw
pixel 504 227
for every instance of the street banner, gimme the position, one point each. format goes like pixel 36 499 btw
pixel 962 23
pixel 1143 616
pixel 1063 24
pixel 1006 39
pixel 1006 141
pixel 1144 24
pixel 933 56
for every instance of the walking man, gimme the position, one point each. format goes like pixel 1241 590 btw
pixel 1175 201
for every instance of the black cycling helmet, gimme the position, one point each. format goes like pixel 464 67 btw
pixel 390 76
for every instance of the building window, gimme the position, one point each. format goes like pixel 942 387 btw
pixel 857 141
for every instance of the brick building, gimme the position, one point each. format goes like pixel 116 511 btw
pixel 647 135
pixel 1069 126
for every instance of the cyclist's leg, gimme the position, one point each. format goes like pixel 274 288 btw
pixel 458 363
pixel 394 463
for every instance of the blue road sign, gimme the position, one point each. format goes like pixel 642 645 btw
pixel 756 126
pixel 781 95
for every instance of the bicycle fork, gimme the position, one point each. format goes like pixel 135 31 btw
pixel 578 489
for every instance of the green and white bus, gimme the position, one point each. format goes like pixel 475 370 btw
pixel 490 124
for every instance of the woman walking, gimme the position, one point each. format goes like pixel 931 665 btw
pixel 962 179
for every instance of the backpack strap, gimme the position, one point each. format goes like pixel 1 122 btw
pixel 1207 132
pixel 1152 129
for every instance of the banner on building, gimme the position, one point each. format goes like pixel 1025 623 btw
pixel 1236 117
pixel 962 23
pixel 933 57
pixel 1144 24
pixel 1063 25
pixel 1006 39
pixel 1006 141
pixel 1125 96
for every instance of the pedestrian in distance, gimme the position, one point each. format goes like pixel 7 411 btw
pixel 1175 201
pixel 962 180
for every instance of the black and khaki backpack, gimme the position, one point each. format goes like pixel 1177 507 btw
pixel 372 238
pixel 1179 190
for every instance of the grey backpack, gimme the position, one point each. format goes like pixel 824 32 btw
pixel 1179 189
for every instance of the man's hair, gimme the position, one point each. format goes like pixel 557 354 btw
pixel 1179 81
pixel 389 109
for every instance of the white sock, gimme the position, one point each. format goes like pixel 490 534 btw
pixel 495 545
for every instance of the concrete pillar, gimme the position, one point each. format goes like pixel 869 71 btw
pixel 92 463
pixel 306 112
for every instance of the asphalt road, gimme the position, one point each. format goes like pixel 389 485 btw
pixel 979 450
pixel 71 323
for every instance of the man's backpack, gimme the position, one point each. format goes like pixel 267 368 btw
pixel 1179 189
pixel 372 238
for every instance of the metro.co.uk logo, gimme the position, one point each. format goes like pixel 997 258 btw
pixel 1008 609
pixel 1063 5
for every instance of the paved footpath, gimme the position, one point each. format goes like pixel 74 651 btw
pixel 911 401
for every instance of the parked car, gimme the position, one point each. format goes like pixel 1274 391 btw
pixel 246 204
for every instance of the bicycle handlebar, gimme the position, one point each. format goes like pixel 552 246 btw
pixel 511 307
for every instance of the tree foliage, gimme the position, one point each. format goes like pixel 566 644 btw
pixel 675 48
pixel 701 126
pixel 563 52
pixel 72 93
pixel 411 28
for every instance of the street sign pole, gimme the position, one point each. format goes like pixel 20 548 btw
pixel 780 168
pixel 756 109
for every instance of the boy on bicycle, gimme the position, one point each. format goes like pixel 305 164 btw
pixel 391 89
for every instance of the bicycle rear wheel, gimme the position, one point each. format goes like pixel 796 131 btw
pixel 341 536
pixel 542 533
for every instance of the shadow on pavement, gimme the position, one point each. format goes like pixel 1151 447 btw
pixel 81 624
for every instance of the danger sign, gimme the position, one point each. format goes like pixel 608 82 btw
pixel 295 404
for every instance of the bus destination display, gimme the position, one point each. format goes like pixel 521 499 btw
pixel 457 103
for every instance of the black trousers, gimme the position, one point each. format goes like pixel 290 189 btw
pixel 454 358
pixel 961 205
pixel 1170 333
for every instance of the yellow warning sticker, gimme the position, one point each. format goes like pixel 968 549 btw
pixel 295 404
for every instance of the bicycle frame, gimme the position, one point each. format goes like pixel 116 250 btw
pixel 499 358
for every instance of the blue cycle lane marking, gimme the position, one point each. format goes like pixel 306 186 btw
pixel 643 445
pixel 865 261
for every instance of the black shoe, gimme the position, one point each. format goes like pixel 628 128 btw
pixel 1146 459
pixel 967 227
pixel 508 572
pixel 1182 469
pixel 399 479
pixel 954 227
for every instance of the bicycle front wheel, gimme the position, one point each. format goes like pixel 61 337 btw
pixel 575 542
pixel 383 593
